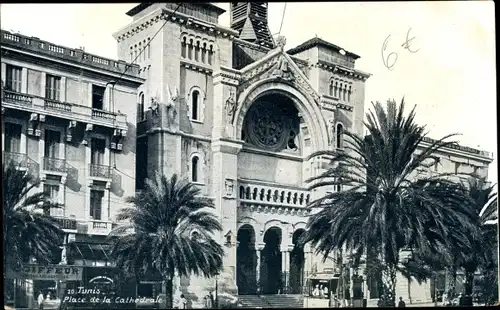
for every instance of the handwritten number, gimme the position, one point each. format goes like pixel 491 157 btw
pixel 386 59
pixel 407 43
pixel 391 58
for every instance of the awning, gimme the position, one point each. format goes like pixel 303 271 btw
pixel 324 276
pixel 90 251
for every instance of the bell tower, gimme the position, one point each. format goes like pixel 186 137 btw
pixel 250 20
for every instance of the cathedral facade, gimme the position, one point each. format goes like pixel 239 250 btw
pixel 237 114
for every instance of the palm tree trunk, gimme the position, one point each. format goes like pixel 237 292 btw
pixel 451 281
pixel 388 296
pixel 469 280
pixel 169 291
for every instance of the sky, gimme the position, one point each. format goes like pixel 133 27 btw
pixel 448 70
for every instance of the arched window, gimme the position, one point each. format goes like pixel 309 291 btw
pixel 338 187
pixel 340 136
pixel 190 49
pixel 345 92
pixel 140 108
pixel 197 51
pixel 183 47
pixel 194 169
pixel 210 54
pixel 337 92
pixel 204 53
pixel 194 105
pixel 330 91
pixel 349 94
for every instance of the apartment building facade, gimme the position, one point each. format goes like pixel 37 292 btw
pixel 69 118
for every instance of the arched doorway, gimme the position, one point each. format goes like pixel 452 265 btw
pixel 297 263
pixel 246 261
pixel 271 262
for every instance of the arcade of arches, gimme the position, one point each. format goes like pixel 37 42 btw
pixel 269 268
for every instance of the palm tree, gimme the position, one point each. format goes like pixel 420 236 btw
pixel 168 231
pixel 29 232
pixel 483 204
pixel 385 207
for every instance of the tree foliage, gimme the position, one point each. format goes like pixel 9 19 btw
pixel 169 230
pixel 29 230
pixel 390 202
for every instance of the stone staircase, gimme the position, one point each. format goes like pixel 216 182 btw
pixel 271 301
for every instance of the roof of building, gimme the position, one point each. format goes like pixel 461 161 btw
pixel 143 6
pixel 74 55
pixel 319 42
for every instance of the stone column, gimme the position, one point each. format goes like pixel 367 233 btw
pixel 285 267
pixel 307 266
pixel 258 251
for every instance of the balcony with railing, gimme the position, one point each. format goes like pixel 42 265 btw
pixel 99 171
pixel 66 110
pixel 98 227
pixel 22 161
pixel 271 198
pixel 57 165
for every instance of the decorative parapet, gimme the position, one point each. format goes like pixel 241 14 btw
pixel 77 56
pixel 465 149
pixel 273 199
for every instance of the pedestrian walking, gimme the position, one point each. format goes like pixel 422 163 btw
pixel 183 302
pixel 40 300
pixel 402 303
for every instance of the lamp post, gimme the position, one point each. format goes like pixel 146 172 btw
pixel 216 291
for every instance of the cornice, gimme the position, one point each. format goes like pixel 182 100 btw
pixel 180 18
pixel 335 68
pixel 195 66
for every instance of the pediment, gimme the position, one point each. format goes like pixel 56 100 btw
pixel 280 66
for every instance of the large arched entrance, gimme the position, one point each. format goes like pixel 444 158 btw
pixel 246 261
pixel 297 263
pixel 271 262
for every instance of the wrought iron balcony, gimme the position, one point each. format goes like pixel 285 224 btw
pixel 66 223
pixel 22 161
pixel 55 165
pixel 100 171
pixel 66 110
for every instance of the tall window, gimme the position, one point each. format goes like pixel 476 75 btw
pixel 194 168
pixel 13 138
pixel 340 136
pixel 13 82
pixel 96 197
pixel 98 97
pixel 335 88
pixel 53 87
pixel 330 90
pixel 140 108
pixel 52 191
pixel 141 166
pixel 195 105
pixel 349 93
pixel 97 148
pixel 52 141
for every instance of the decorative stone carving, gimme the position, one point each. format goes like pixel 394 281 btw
pixel 70 131
pixel 230 107
pixel 282 71
pixel 171 105
pixel 281 42
pixel 64 255
pixel 155 106
pixel 88 128
pixel 266 127
pixel 229 188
